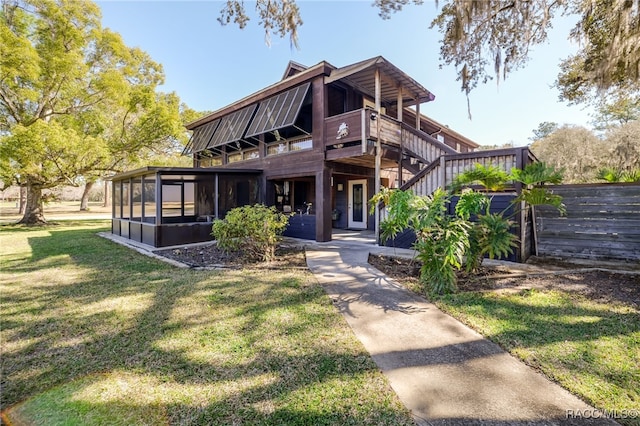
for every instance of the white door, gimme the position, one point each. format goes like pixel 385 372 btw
pixel 357 204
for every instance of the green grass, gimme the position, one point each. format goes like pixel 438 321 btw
pixel 94 333
pixel 590 348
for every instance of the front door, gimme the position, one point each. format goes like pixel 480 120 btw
pixel 357 204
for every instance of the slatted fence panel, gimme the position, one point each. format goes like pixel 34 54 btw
pixel 602 223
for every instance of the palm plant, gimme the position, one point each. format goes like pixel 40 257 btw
pixel 444 241
pixel 534 178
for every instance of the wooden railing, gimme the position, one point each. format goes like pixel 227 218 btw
pixel 442 171
pixel 364 124
pixel 419 144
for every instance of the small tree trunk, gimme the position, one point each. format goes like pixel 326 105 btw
pixel 84 201
pixel 23 200
pixel 107 197
pixel 34 211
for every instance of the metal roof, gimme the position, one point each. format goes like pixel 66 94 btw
pixel 362 76
pixel 232 127
pixel 278 112
pixel 167 171
pixel 201 137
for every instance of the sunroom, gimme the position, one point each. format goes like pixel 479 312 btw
pixel 165 206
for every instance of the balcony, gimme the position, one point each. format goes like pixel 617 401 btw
pixel 351 138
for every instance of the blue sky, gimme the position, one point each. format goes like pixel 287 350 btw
pixel 210 66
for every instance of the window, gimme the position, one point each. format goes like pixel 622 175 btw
pixel 277 148
pixel 289 146
pixel 117 201
pixel 125 200
pixel 149 188
pixel 235 157
pixel 136 199
pixel 189 199
pixel 171 199
pixel 251 154
pixel 301 144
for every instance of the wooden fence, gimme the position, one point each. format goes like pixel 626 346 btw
pixel 602 223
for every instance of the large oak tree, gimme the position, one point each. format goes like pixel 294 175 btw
pixel 75 101
pixel 487 39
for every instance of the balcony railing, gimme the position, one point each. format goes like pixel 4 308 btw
pixel 355 128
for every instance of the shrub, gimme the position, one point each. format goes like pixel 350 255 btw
pixel 251 231
pixel 445 241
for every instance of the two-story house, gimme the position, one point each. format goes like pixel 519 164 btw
pixel 318 144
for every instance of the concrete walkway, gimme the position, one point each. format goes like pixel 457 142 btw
pixel 444 372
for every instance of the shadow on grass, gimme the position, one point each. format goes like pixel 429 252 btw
pixel 558 319
pixel 81 306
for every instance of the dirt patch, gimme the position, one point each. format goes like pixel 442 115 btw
pixel 595 284
pixel 210 256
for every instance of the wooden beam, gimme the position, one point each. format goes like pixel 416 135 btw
pixel 216 197
pixel 323 202
pixel 378 160
pixel 400 107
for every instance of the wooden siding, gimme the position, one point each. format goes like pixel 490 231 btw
pixel 602 223
pixel 353 120
pixel 301 226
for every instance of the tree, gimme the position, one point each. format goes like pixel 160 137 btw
pixel 544 129
pixel 491 39
pixel 583 156
pixel 63 81
pixel 574 149
pixel 281 17
pixel 147 129
pixel 623 143
pixel 619 110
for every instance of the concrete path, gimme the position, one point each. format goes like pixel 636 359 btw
pixel 444 372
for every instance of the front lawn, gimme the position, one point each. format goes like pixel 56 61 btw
pixel 94 333
pixel 591 348
pixel 581 330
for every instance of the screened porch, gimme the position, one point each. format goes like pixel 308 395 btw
pixel 165 206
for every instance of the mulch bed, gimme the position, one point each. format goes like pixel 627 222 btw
pixel 210 256
pixel 597 285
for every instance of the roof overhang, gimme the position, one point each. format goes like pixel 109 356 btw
pixel 362 76
pixel 180 171
pixel 321 69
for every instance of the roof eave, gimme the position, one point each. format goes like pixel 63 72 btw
pixel 321 68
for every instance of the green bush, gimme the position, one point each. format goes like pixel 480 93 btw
pixel 251 231
pixel 445 242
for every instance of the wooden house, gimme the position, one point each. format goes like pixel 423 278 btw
pixel 318 143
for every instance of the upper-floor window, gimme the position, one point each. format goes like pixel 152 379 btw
pixel 285 146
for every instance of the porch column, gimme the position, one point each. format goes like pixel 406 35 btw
pixel 378 160
pixel 417 114
pixel 400 107
pixel 216 196
pixel 323 203
pixel 158 182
